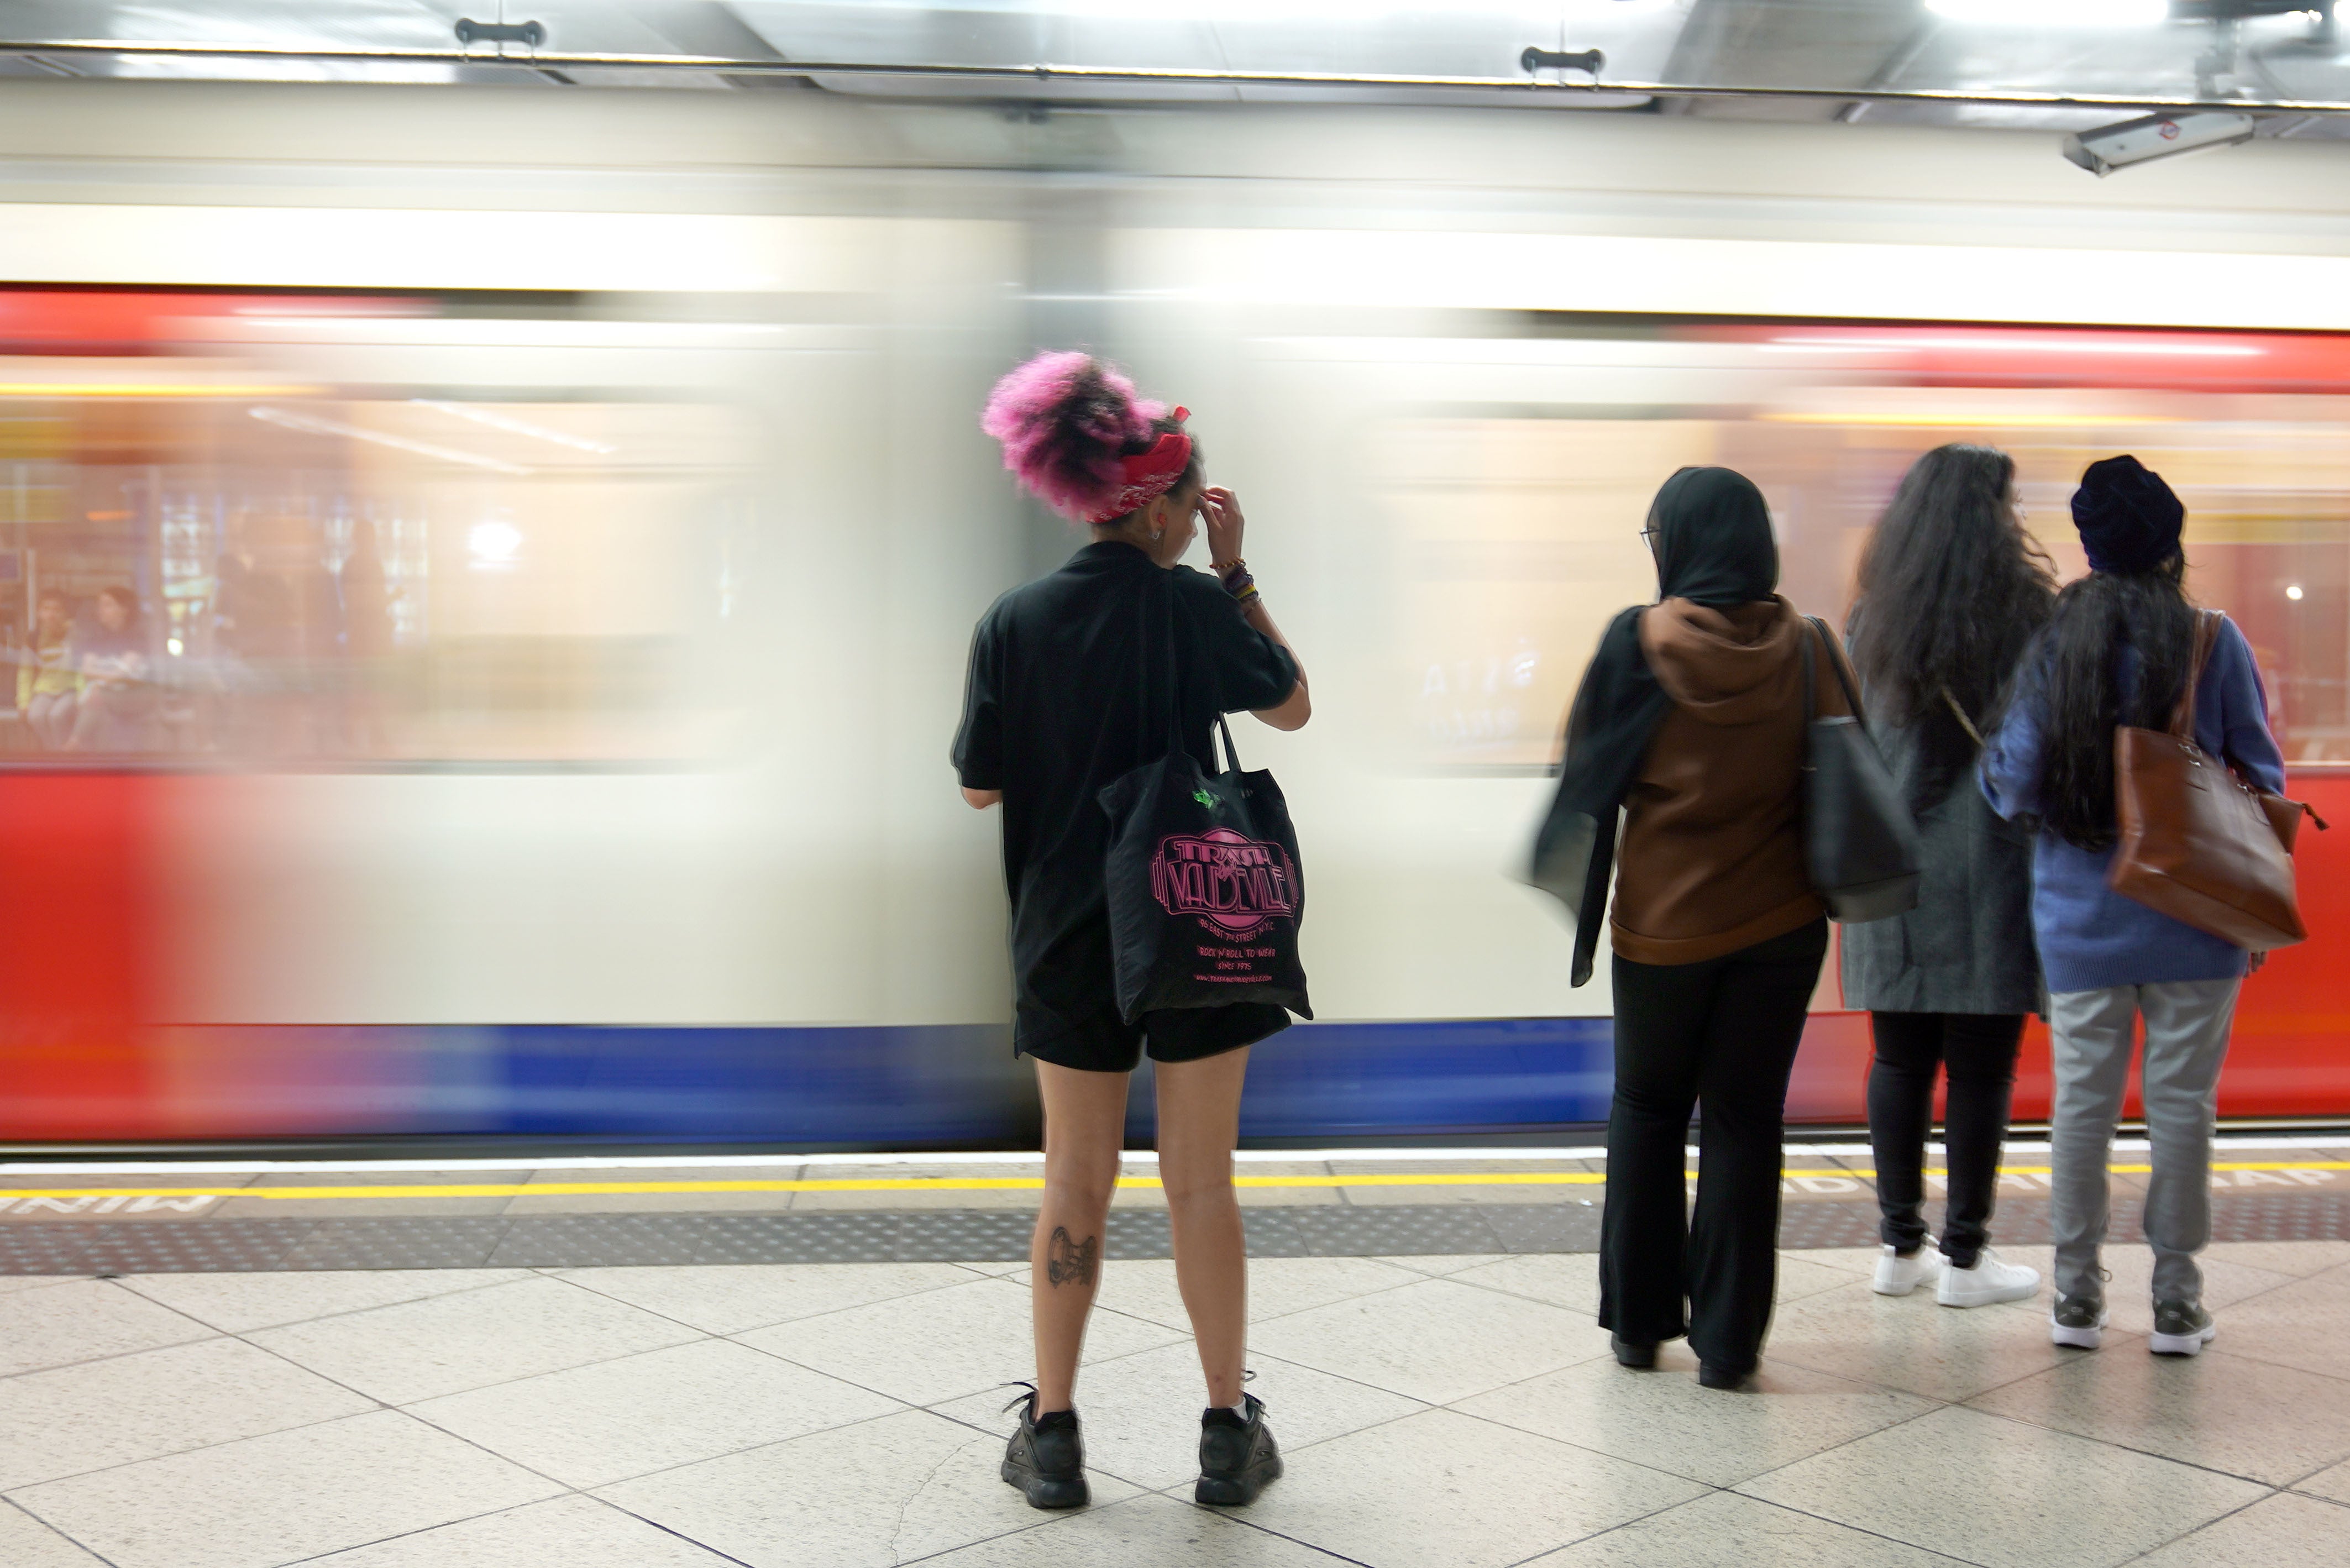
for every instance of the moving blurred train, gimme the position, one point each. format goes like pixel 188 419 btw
pixel 554 521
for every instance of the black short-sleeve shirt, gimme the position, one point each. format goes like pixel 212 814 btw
pixel 1056 708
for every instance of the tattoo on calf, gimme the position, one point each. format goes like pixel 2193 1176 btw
pixel 1066 1261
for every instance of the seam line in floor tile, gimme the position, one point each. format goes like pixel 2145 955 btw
pixel 2129 1447
pixel 597 1488
pixel 778 1323
pixel 125 1282
pixel 2173 1541
pixel 1178 1494
pixel 200 1448
pixel 424 1530
pixel 525 1377
pixel 43 1523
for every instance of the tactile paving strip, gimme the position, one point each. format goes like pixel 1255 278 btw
pixel 69 1247
pixel 862 1236
pixel 405 1243
pixel 643 1240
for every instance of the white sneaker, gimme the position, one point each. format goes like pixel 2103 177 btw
pixel 1989 1281
pixel 1898 1275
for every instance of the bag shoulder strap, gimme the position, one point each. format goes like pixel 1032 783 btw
pixel 1811 665
pixel 2207 638
pixel 1960 715
pixel 1844 680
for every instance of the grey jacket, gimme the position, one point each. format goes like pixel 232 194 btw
pixel 1966 947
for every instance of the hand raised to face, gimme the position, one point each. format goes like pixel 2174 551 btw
pixel 1221 510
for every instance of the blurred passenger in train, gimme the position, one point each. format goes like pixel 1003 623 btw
pixel 46 683
pixel 1691 720
pixel 279 625
pixel 2118 652
pixel 119 708
pixel 1951 590
pixel 1053 713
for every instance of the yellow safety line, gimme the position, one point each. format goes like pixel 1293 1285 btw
pixel 980 1183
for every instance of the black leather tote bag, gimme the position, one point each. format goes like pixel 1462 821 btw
pixel 1860 843
pixel 1202 876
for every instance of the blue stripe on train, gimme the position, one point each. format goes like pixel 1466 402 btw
pixel 913 1086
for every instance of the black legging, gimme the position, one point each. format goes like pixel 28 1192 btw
pixel 1978 1049
pixel 1721 1033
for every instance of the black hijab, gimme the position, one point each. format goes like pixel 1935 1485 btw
pixel 1712 533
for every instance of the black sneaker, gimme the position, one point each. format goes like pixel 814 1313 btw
pixel 1046 1457
pixel 2180 1328
pixel 2077 1321
pixel 1238 1458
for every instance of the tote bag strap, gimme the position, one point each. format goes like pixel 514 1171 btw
pixel 1960 713
pixel 1843 681
pixel 1175 687
pixel 1811 695
pixel 1232 757
pixel 2207 638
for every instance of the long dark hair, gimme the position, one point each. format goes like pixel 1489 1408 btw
pixel 1951 591
pixel 2080 662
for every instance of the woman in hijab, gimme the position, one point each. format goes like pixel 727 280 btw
pixel 1691 722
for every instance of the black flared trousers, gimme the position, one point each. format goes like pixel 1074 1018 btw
pixel 1718 1036
pixel 1977 1051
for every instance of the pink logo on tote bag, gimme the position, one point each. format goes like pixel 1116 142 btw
pixel 1236 882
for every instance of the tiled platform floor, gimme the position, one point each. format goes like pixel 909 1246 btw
pixel 1454 1411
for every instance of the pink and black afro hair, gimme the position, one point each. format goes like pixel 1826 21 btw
pixel 1065 421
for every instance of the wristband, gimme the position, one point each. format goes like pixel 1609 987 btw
pixel 1225 570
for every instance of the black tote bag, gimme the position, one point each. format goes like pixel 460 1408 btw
pixel 1860 843
pixel 1202 876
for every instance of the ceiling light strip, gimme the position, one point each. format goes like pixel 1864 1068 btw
pixel 310 424
pixel 514 426
pixel 1044 73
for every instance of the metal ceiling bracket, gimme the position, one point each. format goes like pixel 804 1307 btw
pixel 469 32
pixel 1589 61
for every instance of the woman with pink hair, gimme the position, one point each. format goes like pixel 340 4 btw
pixel 1067 689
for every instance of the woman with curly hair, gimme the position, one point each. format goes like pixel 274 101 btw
pixel 1951 590
pixel 1065 683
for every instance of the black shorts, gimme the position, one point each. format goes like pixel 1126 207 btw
pixel 1102 1042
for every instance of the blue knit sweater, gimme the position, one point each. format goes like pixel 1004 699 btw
pixel 2090 936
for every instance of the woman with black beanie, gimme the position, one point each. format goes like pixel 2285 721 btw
pixel 2120 651
pixel 1690 723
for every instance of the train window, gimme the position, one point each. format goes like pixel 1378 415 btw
pixel 196 564
pixel 1518 533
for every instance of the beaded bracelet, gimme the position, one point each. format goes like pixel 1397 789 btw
pixel 1225 569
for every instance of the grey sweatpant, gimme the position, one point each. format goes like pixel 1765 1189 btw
pixel 2186 1025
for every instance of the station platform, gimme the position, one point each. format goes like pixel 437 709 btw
pixel 776 1361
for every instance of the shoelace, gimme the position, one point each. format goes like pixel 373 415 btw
pixel 1018 1399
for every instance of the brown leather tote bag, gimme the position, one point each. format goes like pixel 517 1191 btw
pixel 2197 842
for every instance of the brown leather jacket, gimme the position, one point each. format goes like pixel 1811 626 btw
pixel 1712 855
